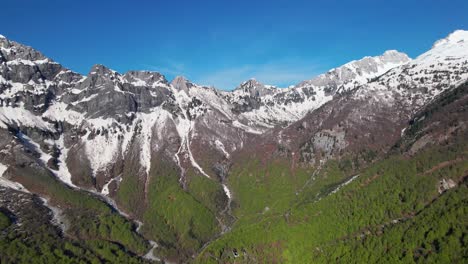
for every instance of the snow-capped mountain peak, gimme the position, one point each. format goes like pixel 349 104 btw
pixel 250 83
pixel 418 82
pixel 453 47
pixel 102 70
pixel 394 56
pixel 357 72
pixel 181 83
pixel 253 87
pixel 145 78
pixel 455 37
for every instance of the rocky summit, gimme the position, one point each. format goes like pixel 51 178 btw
pixel 133 168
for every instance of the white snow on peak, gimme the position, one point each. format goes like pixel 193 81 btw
pixel 2 37
pixel 422 79
pixel 368 67
pixel 28 62
pixel 355 73
pixel 453 38
pixel 392 52
pixel 451 50
pixel 139 82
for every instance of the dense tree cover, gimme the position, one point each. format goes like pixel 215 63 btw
pixel 436 234
pixel 90 219
pixel 42 246
pixel 27 235
pixel 265 189
pixel 392 212
pixel 180 220
pixel 4 220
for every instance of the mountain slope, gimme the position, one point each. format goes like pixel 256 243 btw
pixel 189 163
pixel 405 207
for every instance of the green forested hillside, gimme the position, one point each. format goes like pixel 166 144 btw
pixel 392 212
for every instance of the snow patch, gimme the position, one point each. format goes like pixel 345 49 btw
pixel 105 188
pixel 8 183
pixel 403 131
pixel 21 117
pixel 156 119
pixel 58 112
pixel 58 217
pixel 86 99
pixel 246 128
pixel 101 151
pixel 3 168
pixel 63 173
pixel 227 191
pixel 184 128
pixel 105 148
pixel 344 184
pixel 220 146
pixel 150 255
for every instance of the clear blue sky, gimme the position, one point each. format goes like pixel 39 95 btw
pixel 223 43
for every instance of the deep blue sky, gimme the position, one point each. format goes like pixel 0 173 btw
pixel 223 43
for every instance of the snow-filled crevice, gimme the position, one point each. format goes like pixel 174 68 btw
pixel 62 173
pixel 58 218
pixel 184 128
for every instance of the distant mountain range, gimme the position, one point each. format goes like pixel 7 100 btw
pixel 136 163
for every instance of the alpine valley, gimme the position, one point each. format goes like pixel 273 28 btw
pixel 367 162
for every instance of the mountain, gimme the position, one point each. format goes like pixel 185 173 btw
pixel 356 73
pixel 136 163
pixel 269 106
pixel 381 107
